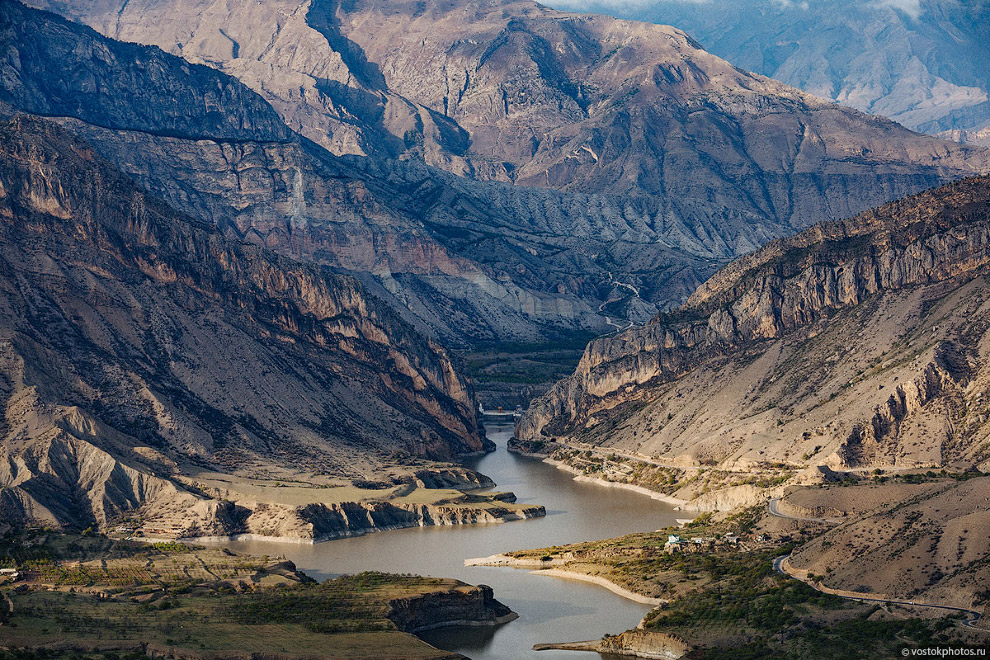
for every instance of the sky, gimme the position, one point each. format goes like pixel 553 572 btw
pixel 910 7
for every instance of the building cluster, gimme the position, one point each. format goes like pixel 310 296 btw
pixel 675 543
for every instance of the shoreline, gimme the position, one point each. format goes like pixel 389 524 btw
pixel 550 569
pixel 498 621
pixel 679 504
pixel 601 582
pixel 299 540
pixel 511 562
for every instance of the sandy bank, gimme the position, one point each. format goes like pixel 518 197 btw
pixel 514 562
pixel 551 569
pixel 602 582
pixel 680 504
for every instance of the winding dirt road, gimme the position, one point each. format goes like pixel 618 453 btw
pixel 970 622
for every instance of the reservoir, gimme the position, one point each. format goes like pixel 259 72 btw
pixel 550 609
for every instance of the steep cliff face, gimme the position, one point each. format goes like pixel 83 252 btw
pixel 515 91
pixel 462 605
pixel 190 517
pixel 135 340
pixel 463 261
pixel 857 343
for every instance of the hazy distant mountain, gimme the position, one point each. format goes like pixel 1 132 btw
pixel 922 63
pixel 511 90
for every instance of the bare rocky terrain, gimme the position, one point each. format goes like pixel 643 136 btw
pixel 853 346
pixel 462 261
pixel 235 239
pixel 918 62
pixel 140 349
pixel 516 91
pixel 922 542
pixel 647 162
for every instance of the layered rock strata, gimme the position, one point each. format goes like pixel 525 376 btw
pixel 688 160
pixel 853 344
pixel 135 342
pixel 465 605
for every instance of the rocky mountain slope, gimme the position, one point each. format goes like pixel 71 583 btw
pixel 462 260
pixel 918 62
pixel 138 346
pixel 902 541
pixel 855 345
pixel 677 147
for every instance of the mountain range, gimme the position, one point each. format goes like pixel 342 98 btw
pixel 641 162
pixel 208 275
pixel 918 62
pixel 249 252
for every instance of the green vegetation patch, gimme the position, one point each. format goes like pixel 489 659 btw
pixel 169 599
pixel 351 603
pixel 728 602
pixel 742 593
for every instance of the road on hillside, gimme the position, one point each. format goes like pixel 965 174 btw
pixel 970 622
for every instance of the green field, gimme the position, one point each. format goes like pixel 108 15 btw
pixel 93 597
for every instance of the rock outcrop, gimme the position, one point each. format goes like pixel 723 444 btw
pixel 322 522
pixel 464 605
pixel 853 344
pixel 135 342
pixel 311 523
pixel 669 158
pixel 643 644
pixel 632 643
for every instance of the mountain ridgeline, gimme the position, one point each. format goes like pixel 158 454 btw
pixel 136 342
pixel 853 344
pixel 918 62
pixel 203 281
pixel 642 162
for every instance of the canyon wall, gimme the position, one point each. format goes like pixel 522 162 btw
pixel 774 357
pixel 664 161
pixel 136 340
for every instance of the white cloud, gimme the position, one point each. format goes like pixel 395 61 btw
pixel 910 7
pixel 615 4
